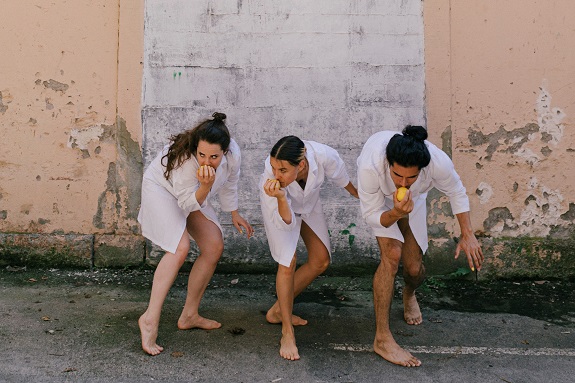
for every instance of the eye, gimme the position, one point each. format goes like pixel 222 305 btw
pixel 215 156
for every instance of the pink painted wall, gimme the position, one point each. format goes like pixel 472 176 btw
pixel 500 98
pixel 70 79
pixel 500 77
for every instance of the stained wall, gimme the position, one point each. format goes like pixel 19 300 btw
pixel 90 90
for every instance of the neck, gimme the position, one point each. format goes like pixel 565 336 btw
pixel 302 175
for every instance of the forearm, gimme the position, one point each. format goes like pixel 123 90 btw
pixel 202 194
pixel 284 210
pixel 351 190
pixel 464 220
pixel 390 217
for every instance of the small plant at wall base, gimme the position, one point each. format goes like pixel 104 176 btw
pixel 347 232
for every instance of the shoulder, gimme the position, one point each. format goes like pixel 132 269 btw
pixel 382 137
pixel 318 148
pixel 233 149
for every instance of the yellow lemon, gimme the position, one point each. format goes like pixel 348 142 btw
pixel 401 193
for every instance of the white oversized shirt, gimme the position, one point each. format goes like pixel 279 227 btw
pixel 166 203
pixel 376 188
pixel 324 162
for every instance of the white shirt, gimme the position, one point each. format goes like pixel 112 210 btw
pixel 324 162
pixel 166 203
pixel 183 182
pixel 376 188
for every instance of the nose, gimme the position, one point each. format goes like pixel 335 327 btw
pixel 403 182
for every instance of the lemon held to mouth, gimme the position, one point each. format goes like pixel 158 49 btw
pixel 401 193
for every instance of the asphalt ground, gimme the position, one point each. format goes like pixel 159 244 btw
pixel 81 326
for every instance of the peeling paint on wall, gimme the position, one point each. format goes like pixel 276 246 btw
pixel 485 192
pixel 5 99
pixel 500 220
pixel 447 141
pixel 548 118
pixel 543 210
pixel 55 86
pixel 79 138
pixel 120 201
pixel 502 141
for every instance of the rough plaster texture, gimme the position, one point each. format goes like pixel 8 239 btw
pixel 498 98
pixel 70 162
pixel 501 86
pixel 330 71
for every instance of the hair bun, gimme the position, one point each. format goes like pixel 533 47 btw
pixel 417 132
pixel 219 116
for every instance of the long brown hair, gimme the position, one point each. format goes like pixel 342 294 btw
pixel 185 144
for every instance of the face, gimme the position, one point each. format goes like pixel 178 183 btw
pixel 285 172
pixel 209 154
pixel 402 176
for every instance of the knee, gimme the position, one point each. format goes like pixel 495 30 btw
pixel 182 253
pixel 413 271
pixel 391 257
pixel 213 252
pixel 319 262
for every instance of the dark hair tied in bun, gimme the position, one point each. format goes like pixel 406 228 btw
pixel 219 116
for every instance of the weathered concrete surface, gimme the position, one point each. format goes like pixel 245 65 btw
pixel 82 326
pixel 46 250
pixel 119 251
pixel 334 72
pixel 491 80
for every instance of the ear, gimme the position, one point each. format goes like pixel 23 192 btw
pixel 301 165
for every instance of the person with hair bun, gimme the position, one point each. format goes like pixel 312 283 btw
pixel 390 161
pixel 291 206
pixel 196 165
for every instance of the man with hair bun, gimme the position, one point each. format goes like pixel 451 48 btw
pixel 389 161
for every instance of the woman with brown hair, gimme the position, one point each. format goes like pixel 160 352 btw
pixel 176 189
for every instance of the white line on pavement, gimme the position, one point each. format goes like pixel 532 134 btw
pixel 467 350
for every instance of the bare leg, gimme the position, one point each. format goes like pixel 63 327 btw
pixel 413 275
pixel 210 242
pixel 383 285
pixel 285 291
pixel 317 263
pixel 164 277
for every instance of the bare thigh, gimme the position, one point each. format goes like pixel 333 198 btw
pixel 205 233
pixel 411 255
pixel 316 250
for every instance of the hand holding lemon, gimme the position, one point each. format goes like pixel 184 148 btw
pixel 400 195
pixel 272 188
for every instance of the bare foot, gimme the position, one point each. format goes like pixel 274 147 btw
pixel 393 353
pixel 197 321
pixel 411 311
pixel 274 316
pixel 149 333
pixel 288 349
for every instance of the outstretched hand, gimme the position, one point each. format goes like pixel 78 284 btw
pixel 470 245
pixel 240 223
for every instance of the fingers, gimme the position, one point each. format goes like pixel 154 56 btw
pixel 271 186
pixel 249 230
pixel 473 251
pixel 240 226
pixel 206 172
